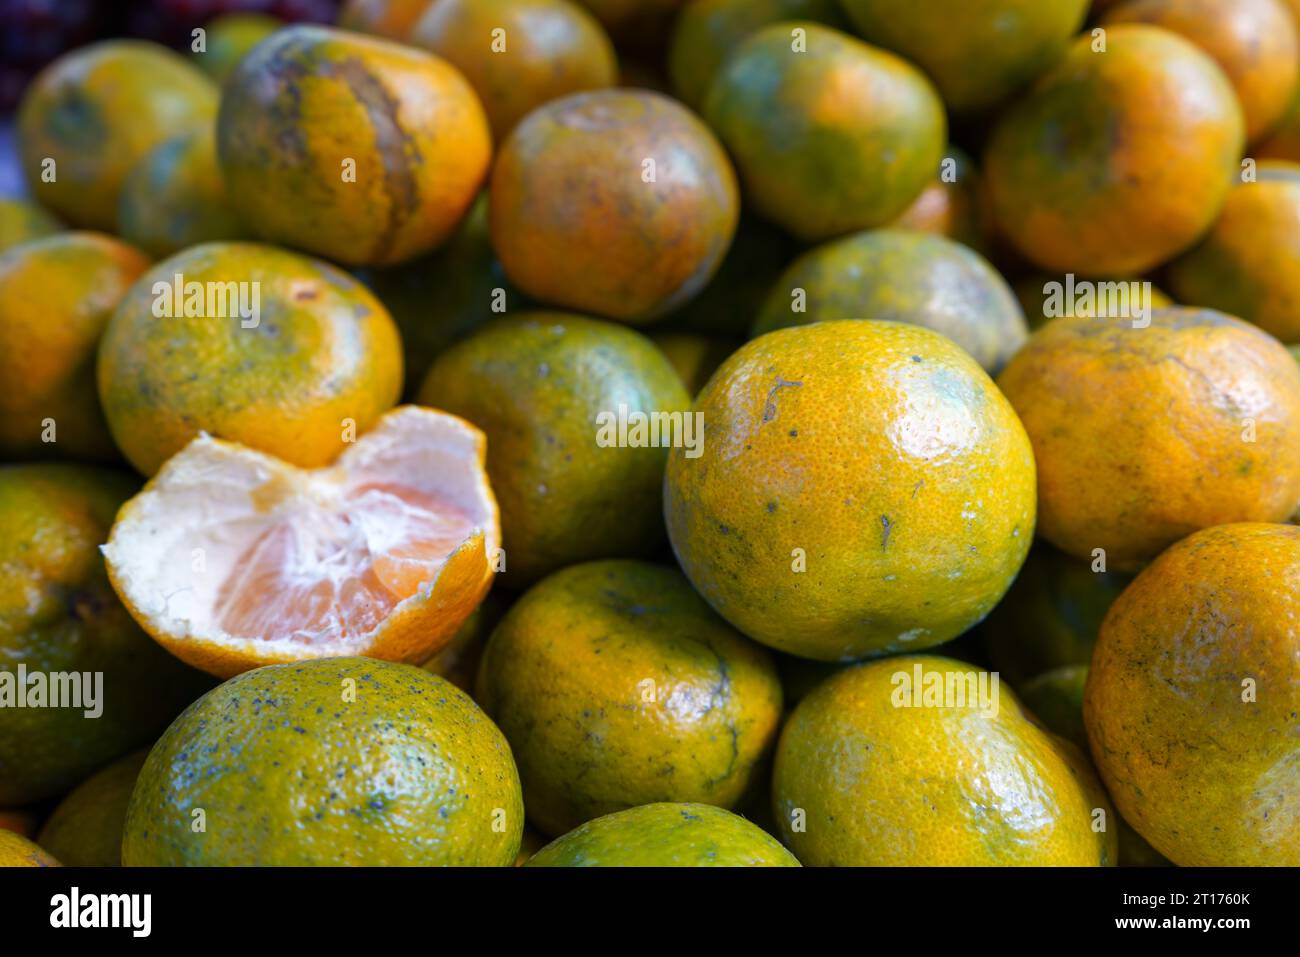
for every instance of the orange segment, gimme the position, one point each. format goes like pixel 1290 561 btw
pixel 233 559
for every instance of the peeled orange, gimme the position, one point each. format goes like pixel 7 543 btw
pixel 233 559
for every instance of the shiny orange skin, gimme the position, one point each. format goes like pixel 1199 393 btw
pixel 56 296
pixel 577 224
pixel 552 48
pixel 393 19
pixel 1255 42
pixel 1246 265
pixel 324 352
pixel 837 138
pixel 862 488
pixel 1115 162
pixel 1193 695
pixel 309 99
pixel 97 110
pixel 1143 436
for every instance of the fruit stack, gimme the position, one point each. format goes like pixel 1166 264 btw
pixel 651 432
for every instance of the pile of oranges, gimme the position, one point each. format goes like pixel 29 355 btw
pixel 657 432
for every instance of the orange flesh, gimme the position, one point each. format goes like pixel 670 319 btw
pixel 337 574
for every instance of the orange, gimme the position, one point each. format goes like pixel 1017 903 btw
pixel 229 37
pixel 952 205
pixel 863 488
pixel 545 49
pixel 1144 435
pixel 56 296
pixel 694 358
pixel 1245 264
pixel 1193 694
pixel 829 135
pixel 978 52
pixel 617 686
pixel 1114 162
pixel 94 112
pixel 1045 298
pixel 233 559
pixel 22 220
pixel 619 203
pixel 922 761
pixel 1255 41
pixel 393 19
pixel 85 830
pixel 358 149
pixel 283 353
pixel 17 851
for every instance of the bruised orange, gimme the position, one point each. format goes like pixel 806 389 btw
pixel 863 488
pixel 1144 435
pixel 829 135
pixel 354 148
pixel 1116 161
pixel 1245 265
pixel 22 220
pixel 56 296
pixel 619 203
pixel 1193 694
pixel 978 52
pixel 1254 41
pixel 90 115
pixel 518 54
pixel 232 559
pixel 706 31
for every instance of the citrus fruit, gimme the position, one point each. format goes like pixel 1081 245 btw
pixel 1045 298
pixel 1056 698
pixel 952 205
pixel 21 221
pixel 384 553
pixel 650 696
pixel 902 276
pixel 229 37
pixel 386 18
pixel 706 31
pixel 358 149
pixel 1114 162
pixel 863 488
pixel 338 761
pixel 258 345
pixel 63 631
pixel 666 835
pixel 94 112
pixel 458 661
pixel 978 52
pixel 1245 264
pixel 85 830
pixel 1050 617
pixel 518 54
pixel 1283 142
pixel 1254 41
pixel 548 390
pixel 1192 699
pixel 693 357
pixel 56 296
pixel 830 138
pixel 618 203
pixel 17 851
pixel 440 298
pixel 1144 435
pixel 175 197
pixel 873 771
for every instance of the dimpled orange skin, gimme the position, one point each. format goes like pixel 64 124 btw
pixel 1207 777
pixel 887 786
pixel 308 100
pixel 617 686
pixel 1246 265
pixel 324 353
pixel 393 19
pixel 95 112
pixel 1143 436
pixel 877 455
pixel 1116 161
pixel 836 138
pixel 56 295
pixel 551 48
pixel 576 223
pixel 1254 41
